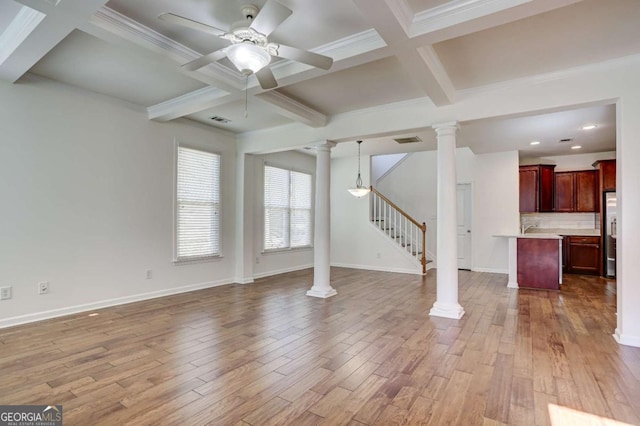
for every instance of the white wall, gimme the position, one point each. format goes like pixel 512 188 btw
pixel 413 187
pixel 277 262
pixel 571 162
pixel 382 164
pixel 355 242
pixel 87 189
pixel 495 209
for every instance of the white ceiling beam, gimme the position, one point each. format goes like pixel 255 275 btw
pixel 293 109
pixel 422 64
pixel 36 35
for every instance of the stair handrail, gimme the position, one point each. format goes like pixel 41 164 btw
pixel 422 226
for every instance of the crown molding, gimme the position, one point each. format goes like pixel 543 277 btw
pixel 293 109
pixel 456 12
pixel 402 12
pixel 344 48
pixel 26 20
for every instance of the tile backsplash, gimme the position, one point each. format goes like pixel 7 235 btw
pixel 561 220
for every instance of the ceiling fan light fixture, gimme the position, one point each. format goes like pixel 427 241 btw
pixel 247 57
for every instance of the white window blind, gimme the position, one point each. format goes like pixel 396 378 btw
pixel 287 208
pixel 198 204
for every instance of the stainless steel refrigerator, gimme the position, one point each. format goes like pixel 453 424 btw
pixel 610 233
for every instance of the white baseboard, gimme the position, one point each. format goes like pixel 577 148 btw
pixel 281 271
pixel 491 270
pixel 417 271
pixel 627 340
pixel 55 313
pixel 243 280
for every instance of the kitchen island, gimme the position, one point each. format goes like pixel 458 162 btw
pixel 535 261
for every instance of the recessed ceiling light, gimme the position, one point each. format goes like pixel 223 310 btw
pixel 534 143
pixel 576 147
pixel 589 127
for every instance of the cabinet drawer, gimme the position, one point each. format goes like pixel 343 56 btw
pixel 584 240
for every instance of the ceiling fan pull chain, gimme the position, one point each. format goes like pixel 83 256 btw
pixel 246 96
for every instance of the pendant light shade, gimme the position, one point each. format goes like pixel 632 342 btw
pixel 359 190
pixel 247 57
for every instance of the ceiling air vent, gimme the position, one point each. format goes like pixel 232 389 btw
pixel 565 140
pixel 412 139
pixel 219 119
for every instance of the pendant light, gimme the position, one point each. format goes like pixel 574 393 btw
pixel 359 190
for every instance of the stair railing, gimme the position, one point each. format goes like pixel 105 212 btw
pixel 400 226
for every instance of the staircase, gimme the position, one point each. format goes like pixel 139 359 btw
pixel 407 232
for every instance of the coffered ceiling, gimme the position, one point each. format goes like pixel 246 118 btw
pixel 384 51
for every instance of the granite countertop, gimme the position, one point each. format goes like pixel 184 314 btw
pixel 542 236
pixel 580 232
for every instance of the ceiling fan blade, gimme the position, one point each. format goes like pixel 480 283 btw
pixel 189 23
pixel 266 79
pixel 270 16
pixel 202 61
pixel 305 57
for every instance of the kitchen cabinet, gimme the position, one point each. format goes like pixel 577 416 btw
pixel 577 192
pixel 536 188
pixel 581 255
pixel 607 172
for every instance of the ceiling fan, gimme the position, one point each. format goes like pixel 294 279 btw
pixel 250 50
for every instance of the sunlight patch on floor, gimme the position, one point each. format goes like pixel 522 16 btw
pixel 563 416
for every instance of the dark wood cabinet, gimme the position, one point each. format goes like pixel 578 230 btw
pixel 581 255
pixel 577 191
pixel 607 172
pixel 565 192
pixel 536 188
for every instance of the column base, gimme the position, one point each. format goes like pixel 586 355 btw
pixel 512 284
pixel 446 310
pixel 322 293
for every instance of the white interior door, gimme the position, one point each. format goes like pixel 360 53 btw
pixel 464 225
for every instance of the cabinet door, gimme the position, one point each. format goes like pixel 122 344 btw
pixel 547 184
pixel 608 172
pixel 565 254
pixel 586 191
pixel 565 192
pixel 528 190
pixel 584 255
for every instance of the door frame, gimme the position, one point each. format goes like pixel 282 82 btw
pixel 469 211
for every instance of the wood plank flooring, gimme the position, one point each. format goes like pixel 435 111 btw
pixel 266 354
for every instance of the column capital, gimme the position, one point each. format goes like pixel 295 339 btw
pixel 324 145
pixel 446 126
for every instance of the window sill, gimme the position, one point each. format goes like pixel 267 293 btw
pixel 195 260
pixel 286 250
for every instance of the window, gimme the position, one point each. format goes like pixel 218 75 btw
pixel 287 208
pixel 197 204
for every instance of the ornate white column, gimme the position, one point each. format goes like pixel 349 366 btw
pixel 322 230
pixel 446 304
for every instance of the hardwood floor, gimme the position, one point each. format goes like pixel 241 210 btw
pixel 266 354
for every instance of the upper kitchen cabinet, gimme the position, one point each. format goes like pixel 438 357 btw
pixel 536 188
pixel 577 191
pixel 607 169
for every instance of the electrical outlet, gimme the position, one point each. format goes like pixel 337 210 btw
pixel 149 274
pixel 43 287
pixel 378 255
pixel 257 260
pixel 5 293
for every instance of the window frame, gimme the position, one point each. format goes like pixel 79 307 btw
pixel 311 209
pixel 210 257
